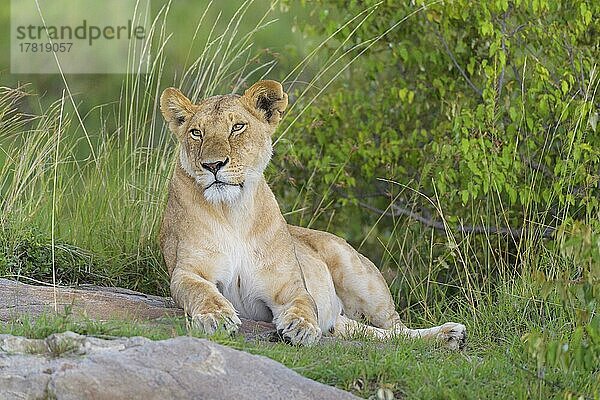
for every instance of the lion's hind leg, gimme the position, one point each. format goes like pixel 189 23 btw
pixel 347 328
pixel 358 283
pixel 364 293
pixel 371 298
pixel 453 334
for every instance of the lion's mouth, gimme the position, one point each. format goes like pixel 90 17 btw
pixel 220 184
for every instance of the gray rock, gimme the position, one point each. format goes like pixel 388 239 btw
pixel 18 300
pixel 68 366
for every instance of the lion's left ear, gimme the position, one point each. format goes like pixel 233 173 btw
pixel 175 107
pixel 268 99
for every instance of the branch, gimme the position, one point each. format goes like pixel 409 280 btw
pixel 503 29
pixel 538 167
pixel 580 78
pixel 463 73
pixel 465 229
pixel 517 75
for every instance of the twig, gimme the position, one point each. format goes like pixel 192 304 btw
pixel 547 172
pixel 579 78
pixel 538 167
pixel 518 78
pixel 462 71
pixel 501 78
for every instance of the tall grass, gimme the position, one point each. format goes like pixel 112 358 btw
pixel 84 205
pixel 101 194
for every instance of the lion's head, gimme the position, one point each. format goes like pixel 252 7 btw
pixel 225 140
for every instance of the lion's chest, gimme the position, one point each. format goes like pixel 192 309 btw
pixel 239 281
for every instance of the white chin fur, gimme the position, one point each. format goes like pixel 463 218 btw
pixel 222 193
pixel 215 193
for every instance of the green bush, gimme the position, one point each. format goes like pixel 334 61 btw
pixel 479 120
pixel 579 295
pixel 487 108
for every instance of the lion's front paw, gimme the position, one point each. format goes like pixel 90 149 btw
pixel 209 323
pixel 297 330
pixel 454 334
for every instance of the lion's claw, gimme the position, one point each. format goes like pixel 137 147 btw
pixel 209 323
pixel 300 332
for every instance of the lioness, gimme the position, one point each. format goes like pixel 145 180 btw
pixel 229 250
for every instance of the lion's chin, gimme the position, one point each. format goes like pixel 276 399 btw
pixel 222 193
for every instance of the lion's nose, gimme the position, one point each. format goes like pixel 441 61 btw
pixel 214 167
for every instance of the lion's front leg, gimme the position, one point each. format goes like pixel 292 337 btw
pixel 294 313
pixel 203 302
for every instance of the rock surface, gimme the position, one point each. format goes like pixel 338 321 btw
pixel 96 302
pixel 68 366
pixel 100 303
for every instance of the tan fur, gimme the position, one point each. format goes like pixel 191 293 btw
pixel 229 250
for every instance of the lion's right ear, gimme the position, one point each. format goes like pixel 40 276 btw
pixel 267 99
pixel 175 107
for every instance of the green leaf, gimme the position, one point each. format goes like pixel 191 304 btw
pixel 487 28
pixel 564 85
pixel 512 193
pixel 594 120
pixel 464 196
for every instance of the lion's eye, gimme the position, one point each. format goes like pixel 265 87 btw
pixel 196 134
pixel 238 128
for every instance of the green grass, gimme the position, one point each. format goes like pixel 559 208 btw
pixel 495 364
